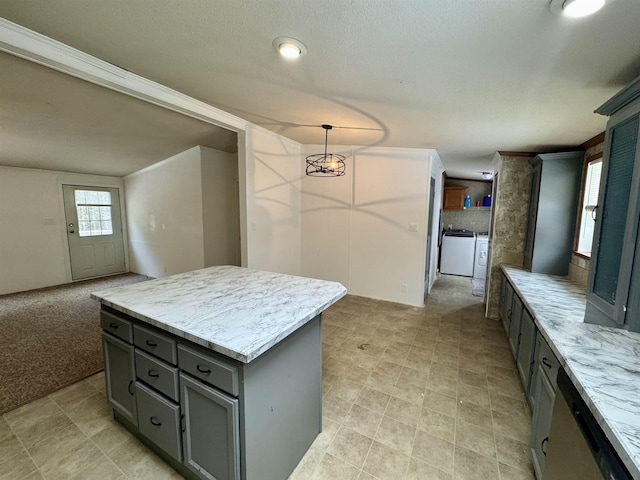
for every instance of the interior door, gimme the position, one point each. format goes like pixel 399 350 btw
pixel 427 272
pixel 94 231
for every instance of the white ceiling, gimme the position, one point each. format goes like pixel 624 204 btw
pixel 467 77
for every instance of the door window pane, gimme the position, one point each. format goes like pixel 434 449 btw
pixel 94 213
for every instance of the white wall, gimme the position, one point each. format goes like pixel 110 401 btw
pixel 220 207
pixel 164 216
pixel 437 169
pixel 356 228
pixel 272 188
pixel 34 252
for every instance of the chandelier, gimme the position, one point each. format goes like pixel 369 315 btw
pixel 326 164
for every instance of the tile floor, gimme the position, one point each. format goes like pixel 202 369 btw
pixel 408 393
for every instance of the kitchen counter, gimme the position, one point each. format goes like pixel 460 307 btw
pixel 235 311
pixel 603 363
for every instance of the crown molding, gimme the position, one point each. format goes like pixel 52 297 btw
pixel 35 47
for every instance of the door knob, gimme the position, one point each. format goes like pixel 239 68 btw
pixel 72 231
pixel 71 224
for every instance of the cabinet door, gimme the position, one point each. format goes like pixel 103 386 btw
pixel 541 423
pixel 454 198
pixel 536 173
pixel 525 352
pixel 616 225
pixel 508 306
pixel 119 368
pixel 514 330
pixel 210 439
pixel 503 300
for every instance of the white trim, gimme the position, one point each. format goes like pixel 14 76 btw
pixel 24 43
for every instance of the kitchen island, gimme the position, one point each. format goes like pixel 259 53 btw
pixel 219 370
pixel 602 363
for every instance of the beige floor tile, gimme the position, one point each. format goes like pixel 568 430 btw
pixel 346 389
pixel 396 435
pixel 414 376
pixel 447 384
pixel 72 395
pixel 10 446
pixel 471 378
pixel 350 446
pixel 477 415
pixel 439 402
pixel 437 424
pixel 36 475
pixel 57 446
pixel 508 405
pixel 470 465
pixel 307 465
pixel 386 463
pixel 110 437
pixel 510 473
pixel 366 476
pixel 477 395
pixel 34 425
pixel 332 468
pixel 373 399
pixel 16 468
pixel 83 461
pixel 409 392
pixel 478 439
pixel 509 386
pixel 433 451
pixel 335 408
pixel 514 453
pixel 511 427
pixel 381 382
pixel 387 368
pixel 403 411
pixel 357 374
pixel 475 365
pixel 363 420
pixel 421 471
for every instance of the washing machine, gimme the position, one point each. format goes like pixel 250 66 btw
pixel 457 252
pixel 481 257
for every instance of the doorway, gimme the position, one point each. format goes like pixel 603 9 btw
pixel 427 270
pixel 94 231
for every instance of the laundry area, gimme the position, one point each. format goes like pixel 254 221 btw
pixel 466 218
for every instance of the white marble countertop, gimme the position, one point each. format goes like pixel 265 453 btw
pixel 602 362
pixel 235 311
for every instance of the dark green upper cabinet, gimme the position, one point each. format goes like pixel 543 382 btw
pixel 553 205
pixel 613 294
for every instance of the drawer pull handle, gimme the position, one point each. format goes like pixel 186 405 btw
pixel 153 374
pixel 546 363
pixel 113 325
pixel 203 370
pixel 129 387
pixel 542 446
pixel 151 343
pixel 183 426
pixel 155 422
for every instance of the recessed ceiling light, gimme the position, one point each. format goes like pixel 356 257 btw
pixel 576 8
pixel 289 47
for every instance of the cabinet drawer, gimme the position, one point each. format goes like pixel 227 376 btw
pixel 547 360
pixel 208 369
pixel 157 374
pixel 117 326
pixel 159 421
pixel 159 345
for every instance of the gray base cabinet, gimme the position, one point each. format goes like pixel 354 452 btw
pixel 208 415
pixel 210 438
pixel 119 371
pixel 526 343
pixel 541 423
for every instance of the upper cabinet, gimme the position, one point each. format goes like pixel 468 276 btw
pixel 454 198
pixel 613 291
pixel 555 188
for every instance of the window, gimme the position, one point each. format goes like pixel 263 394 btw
pixel 94 213
pixel 589 207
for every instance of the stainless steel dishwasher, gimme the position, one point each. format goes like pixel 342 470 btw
pixel 578 448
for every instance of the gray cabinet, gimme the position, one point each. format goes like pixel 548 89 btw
pixel 541 423
pixel 119 371
pixel 526 349
pixel 159 420
pixel 514 329
pixel 555 189
pixel 211 431
pixel 506 304
pixel 613 291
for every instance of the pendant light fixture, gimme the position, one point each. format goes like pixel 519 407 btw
pixel 326 164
